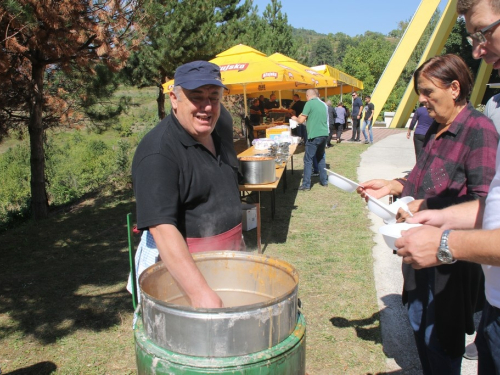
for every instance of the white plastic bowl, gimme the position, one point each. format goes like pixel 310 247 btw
pixel 388 212
pixel 401 202
pixel 341 182
pixel 391 232
pixel 382 210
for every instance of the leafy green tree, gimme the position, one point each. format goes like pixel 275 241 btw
pixel 322 53
pixel 367 60
pixel 398 33
pixel 341 42
pixel 457 44
pixel 179 32
pixel 40 36
pixel 277 35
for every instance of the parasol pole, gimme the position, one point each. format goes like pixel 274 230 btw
pixel 279 97
pixel 245 98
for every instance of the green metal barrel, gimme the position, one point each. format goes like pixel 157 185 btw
pixel 288 357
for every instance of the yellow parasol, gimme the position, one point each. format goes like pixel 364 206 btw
pixel 321 80
pixel 245 70
pixel 346 83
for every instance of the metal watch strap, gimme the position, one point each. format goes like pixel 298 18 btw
pixel 443 247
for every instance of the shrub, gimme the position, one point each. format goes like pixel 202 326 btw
pixel 15 186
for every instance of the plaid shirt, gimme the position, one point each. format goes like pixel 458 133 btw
pixel 457 166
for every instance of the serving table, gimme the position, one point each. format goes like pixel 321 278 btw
pixel 257 128
pixel 280 172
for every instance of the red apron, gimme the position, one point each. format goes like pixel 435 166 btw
pixel 229 240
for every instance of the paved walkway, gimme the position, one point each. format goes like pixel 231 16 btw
pixel 378 134
pixel 391 156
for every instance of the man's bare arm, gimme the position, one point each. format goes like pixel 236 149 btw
pixel 175 255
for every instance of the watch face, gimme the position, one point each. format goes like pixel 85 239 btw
pixel 444 256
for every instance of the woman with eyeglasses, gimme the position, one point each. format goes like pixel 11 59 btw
pixel 456 164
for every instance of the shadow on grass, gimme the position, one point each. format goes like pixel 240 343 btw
pixel 67 272
pixel 276 230
pixel 367 329
pixel 41 368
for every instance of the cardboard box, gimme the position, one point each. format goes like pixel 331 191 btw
pixel 249 219
pixel 270 132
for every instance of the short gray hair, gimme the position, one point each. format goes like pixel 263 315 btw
pixel 464 6
pixel 177 92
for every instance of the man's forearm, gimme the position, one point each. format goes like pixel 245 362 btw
pixel 175 255
pixel 301 119
pixel 478 246
pixel 468 215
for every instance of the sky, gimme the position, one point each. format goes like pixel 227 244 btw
pixel 349 17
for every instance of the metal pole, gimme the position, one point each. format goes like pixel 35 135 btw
pixel 131 261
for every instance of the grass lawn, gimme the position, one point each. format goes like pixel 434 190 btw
pixel 64 308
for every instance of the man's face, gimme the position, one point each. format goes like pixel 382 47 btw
pixel 354 96
pixel 296 98
pixel 480 16
pixel 197 110
pixel 273 98
pixel 367 100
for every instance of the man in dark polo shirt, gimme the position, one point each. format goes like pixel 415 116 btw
pixel 272 103
pixel 186 191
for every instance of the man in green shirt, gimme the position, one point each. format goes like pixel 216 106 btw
pixel 316 113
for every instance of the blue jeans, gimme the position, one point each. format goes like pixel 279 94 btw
pixel 369 124
pixel 421 312
pixel 315 148
pixel 488 341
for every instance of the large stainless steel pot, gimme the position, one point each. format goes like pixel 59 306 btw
pixel 259 295
pixel 258 169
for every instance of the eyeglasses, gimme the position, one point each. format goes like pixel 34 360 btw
pixel 480 36
pixel 353 95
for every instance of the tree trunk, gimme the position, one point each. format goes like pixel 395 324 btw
pixel 161 98
pixel 39 199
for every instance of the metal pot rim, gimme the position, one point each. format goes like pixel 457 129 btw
pixel 227 254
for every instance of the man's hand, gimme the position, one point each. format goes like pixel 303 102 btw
pixel 175 255
pixel 378 188
pixel 411 208
pixel 207 299
pixel 436 218
pixel 419 246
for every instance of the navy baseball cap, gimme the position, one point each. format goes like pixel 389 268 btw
pixel 196 74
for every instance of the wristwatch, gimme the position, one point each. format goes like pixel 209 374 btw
pixel 444 254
